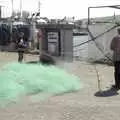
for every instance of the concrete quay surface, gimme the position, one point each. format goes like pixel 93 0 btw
pixel 87 104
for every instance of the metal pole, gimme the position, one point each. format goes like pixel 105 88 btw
pixel 115 6
pixel 11 26
pixel 21 8
pixel 40 41
pixel 0 12
pixel 88 15
pixel 12 7
pixel 39 6
pixel 33 34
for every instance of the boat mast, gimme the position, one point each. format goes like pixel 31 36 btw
pixel 12 7
pixel 21 8
pixel 39 7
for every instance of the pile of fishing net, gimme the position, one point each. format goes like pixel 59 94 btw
pixel 27 79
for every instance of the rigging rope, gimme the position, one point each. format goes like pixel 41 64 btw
pixel 101 50
pixel 94 38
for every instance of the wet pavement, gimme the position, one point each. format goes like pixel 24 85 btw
pixel 87 104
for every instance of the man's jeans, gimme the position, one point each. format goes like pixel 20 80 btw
pixel 117 73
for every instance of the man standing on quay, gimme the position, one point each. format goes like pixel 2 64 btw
pixel 115 47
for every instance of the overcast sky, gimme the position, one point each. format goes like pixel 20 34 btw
pixel 61 8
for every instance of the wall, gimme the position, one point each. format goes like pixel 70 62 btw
pixel 67 43
pixel 80 52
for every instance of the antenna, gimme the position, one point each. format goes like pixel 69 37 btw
pixel 39 4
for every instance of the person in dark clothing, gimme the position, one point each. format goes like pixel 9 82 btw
pixel 21 47
pixel 115 47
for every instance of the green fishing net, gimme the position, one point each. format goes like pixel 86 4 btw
pixel 27 79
